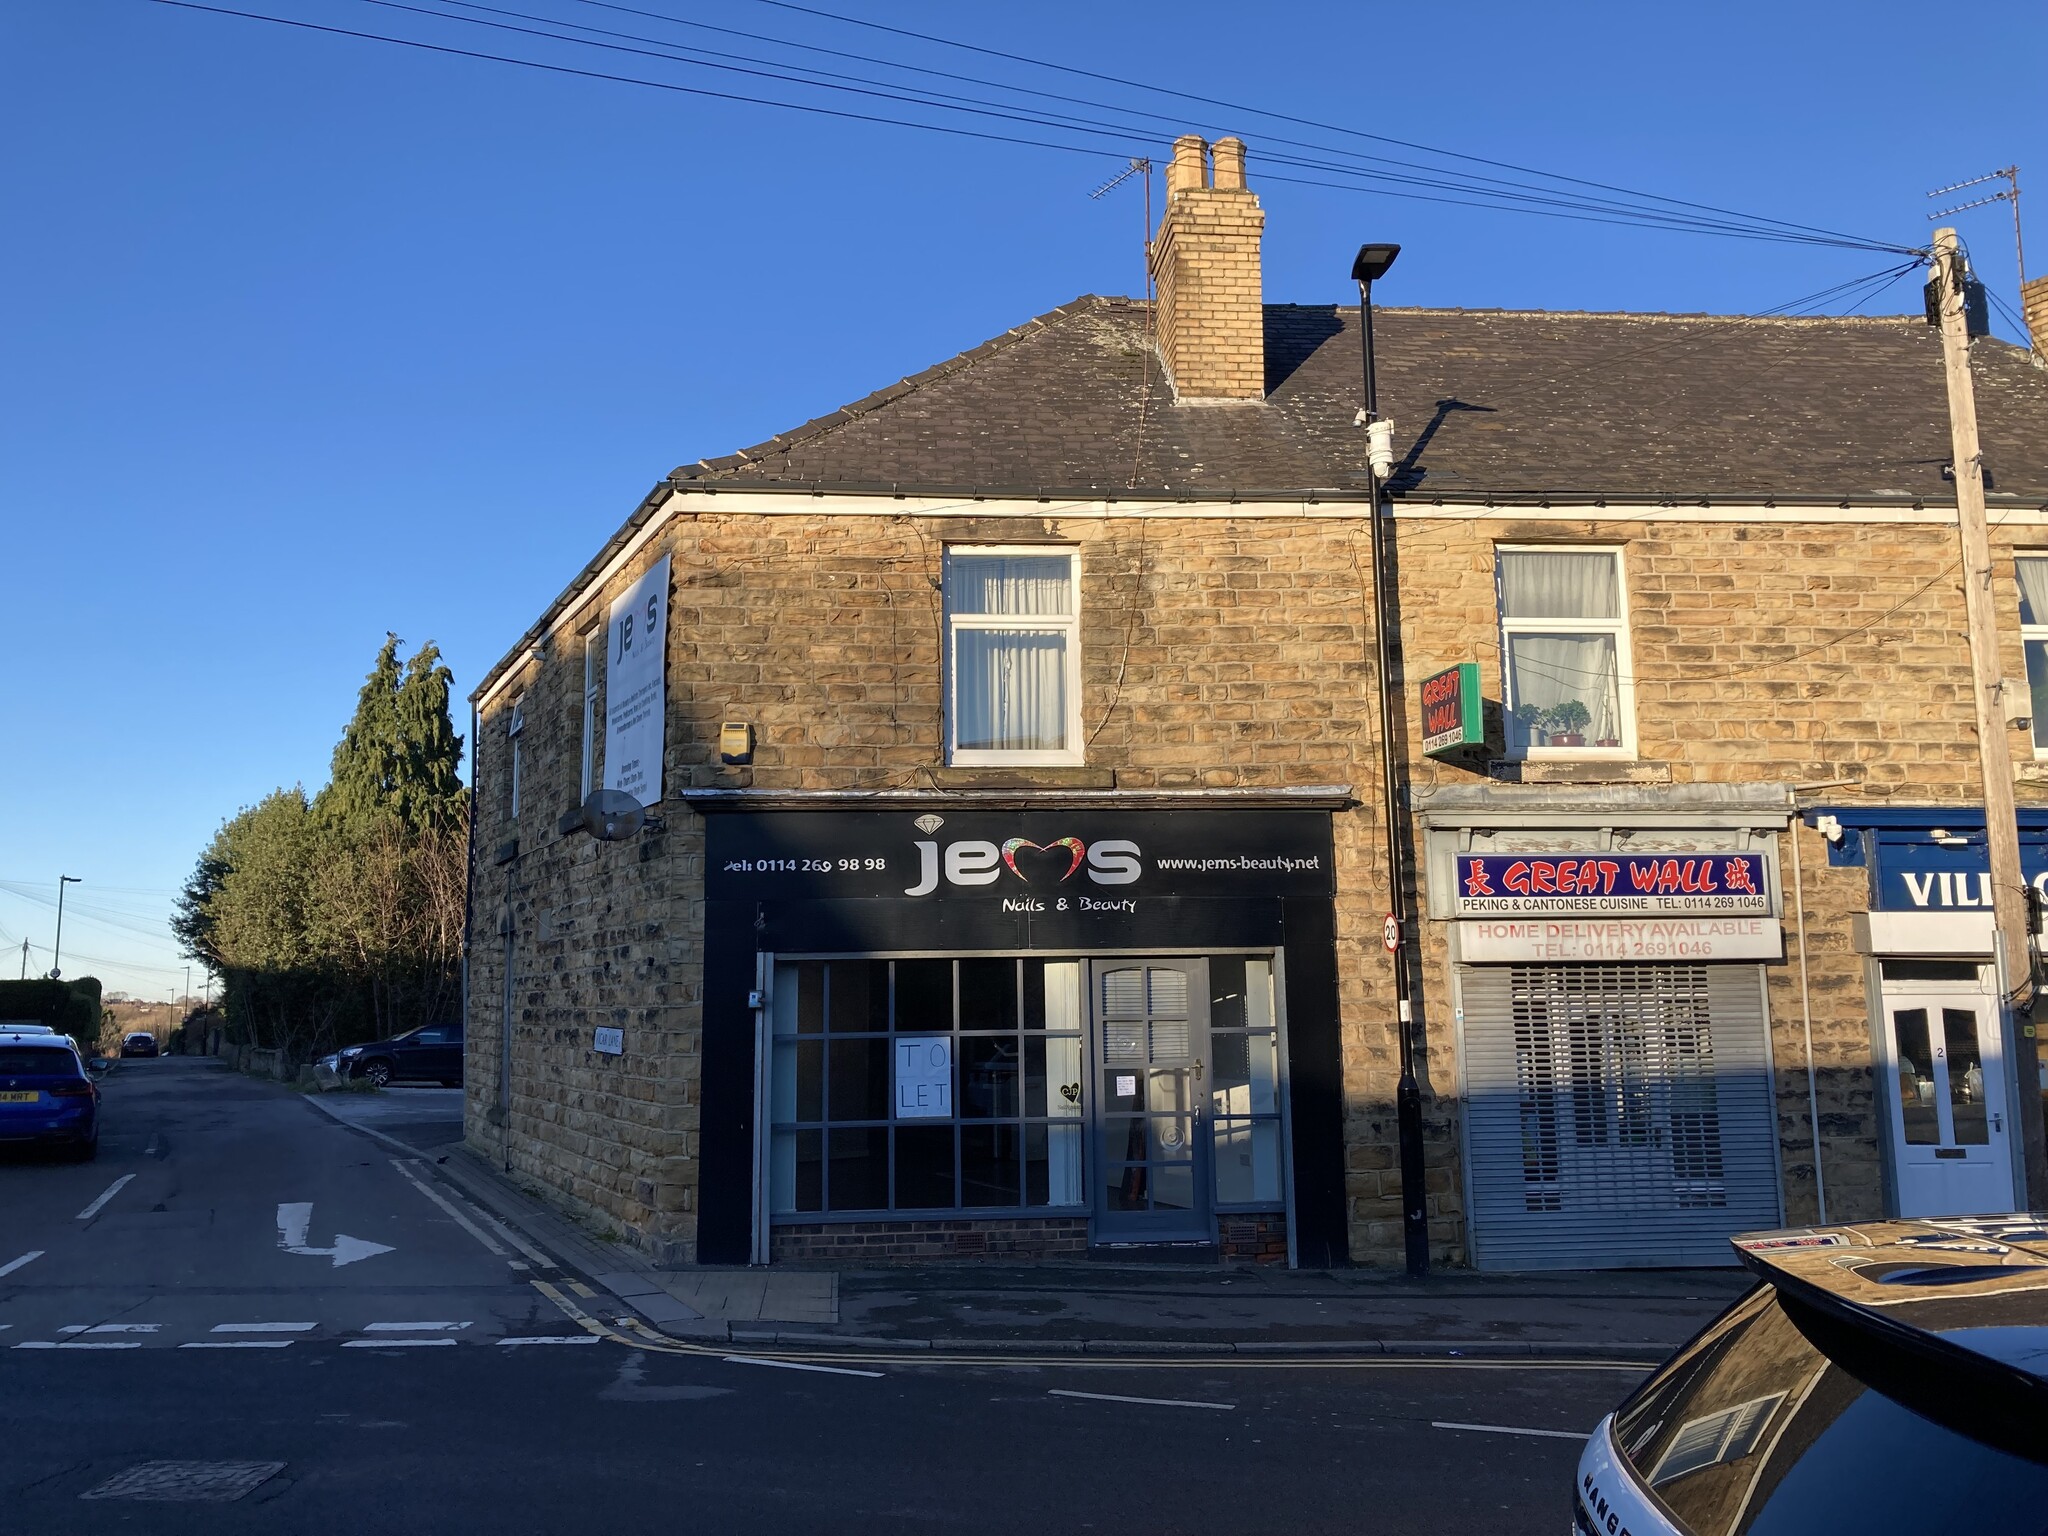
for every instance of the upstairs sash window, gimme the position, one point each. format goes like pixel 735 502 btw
pixel 1013 656
pixel 1565 653
pixel 2033 579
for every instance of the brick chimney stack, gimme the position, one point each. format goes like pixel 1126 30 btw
pixel 2034 306
pixel 1212 328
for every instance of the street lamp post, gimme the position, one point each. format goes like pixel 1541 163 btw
pixel 1371 265
pixel 57 950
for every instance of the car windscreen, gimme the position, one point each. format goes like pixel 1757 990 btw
pixel 37 1061
pixel 1753 1429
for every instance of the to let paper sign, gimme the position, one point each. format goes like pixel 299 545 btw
pixel 924 1077
pixel 636 698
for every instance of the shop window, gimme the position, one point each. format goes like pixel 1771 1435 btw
pixel 1013 656
pixel 925 1085
pixel 1565 659
pixel 1244 1081
pixel 2033 581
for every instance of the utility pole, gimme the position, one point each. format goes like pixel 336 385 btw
pixel 57 951
pixel 2012 951
pixel 24 959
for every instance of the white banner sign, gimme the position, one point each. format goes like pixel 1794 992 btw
pixel 636 698
pixel 924 1077
pixel 1674 938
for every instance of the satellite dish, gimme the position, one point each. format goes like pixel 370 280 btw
pixel 612 815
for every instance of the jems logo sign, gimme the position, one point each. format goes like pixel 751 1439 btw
pixel 1078 861
pixel 978 862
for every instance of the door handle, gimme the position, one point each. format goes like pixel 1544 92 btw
pixel 1198 1069
pixel 1998 1122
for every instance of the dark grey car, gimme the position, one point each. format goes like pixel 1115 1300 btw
pixel 1882 1380
pixel 431 1053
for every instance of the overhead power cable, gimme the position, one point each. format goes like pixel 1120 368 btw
pixel 1211 101
pixel 1476 182
pixel 1124 138
pixel 1498 193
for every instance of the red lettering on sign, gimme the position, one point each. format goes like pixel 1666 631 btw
pixel 1739 877
pixel 1545 874
pixel 1567 875
pixel 1476 883
pixel 1610 871
pixel 1516 878
pixel 1643 876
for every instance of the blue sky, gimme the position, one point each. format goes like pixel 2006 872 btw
pixel 310 338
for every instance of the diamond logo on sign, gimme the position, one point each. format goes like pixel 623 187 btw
pixel 928 823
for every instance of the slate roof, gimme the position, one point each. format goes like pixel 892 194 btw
pixel 1512 405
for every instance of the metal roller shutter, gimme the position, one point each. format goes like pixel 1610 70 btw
pixel 1617 1116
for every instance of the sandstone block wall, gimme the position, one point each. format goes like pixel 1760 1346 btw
pixel 1825 653
pixel 1217 651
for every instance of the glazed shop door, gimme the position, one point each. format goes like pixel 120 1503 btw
pixel 1151 1031
pixel 1950 1128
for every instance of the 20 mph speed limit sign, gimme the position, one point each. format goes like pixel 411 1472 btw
pixel 1390 933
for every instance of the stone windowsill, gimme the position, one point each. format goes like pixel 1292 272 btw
pixel 1578 772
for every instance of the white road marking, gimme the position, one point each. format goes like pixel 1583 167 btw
pixel 414 1327
pixel 13 1264
pixel 470 1225
pixel 111 1328
pixel 569 1338
pixel 113 1189
pixel 295 1220
pixel 263 1327
pixel 239 1344
pixel 396 1343
pixel 797 1365
pixel 81 1344
pixel 1149 1402
pixel 1509 1429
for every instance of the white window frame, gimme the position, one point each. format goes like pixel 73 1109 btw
pixel 2030 634
pixel 593 669
pixel 515 727
pixel 1069 625
pixel 1624 659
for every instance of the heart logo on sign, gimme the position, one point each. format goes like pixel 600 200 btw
pixel 1071 1092
pixel 1073 845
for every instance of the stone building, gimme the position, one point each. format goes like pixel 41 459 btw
pixel 1013 884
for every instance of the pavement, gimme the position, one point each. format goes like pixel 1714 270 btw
pixel 1077 1306
pixel 249 1316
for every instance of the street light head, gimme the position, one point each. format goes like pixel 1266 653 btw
pixel 70 880
pixel 1372 262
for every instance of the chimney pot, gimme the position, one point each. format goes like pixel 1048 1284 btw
pixel 1229 165
pixel 1211 315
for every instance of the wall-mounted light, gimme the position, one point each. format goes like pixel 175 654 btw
pixel 1829 827
pixel 736 743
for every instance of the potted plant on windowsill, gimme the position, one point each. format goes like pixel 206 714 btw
pixel 1561 725
pixel 1566 723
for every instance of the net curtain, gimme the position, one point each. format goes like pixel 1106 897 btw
pixel 1010 685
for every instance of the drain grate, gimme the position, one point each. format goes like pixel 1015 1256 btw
pixel 188 1482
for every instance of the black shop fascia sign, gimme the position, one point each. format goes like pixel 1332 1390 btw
pixel 1009 881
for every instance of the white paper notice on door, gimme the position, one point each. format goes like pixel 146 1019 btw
pixel 924 1077
pixel 636 702
pixel 1126 1085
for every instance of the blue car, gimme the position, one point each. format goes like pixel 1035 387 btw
pixel 46 1096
